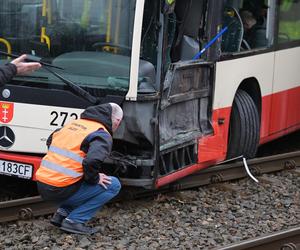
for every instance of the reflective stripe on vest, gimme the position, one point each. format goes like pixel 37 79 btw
pixel 62 165
pixel 60 169
pixel 66 153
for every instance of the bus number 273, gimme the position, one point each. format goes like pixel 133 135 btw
pixel 59 118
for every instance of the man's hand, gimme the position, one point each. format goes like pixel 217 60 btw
pixel 104 180
pixel 25 67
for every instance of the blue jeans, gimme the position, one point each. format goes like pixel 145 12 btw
pixel 83 205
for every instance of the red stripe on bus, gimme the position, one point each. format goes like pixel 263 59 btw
pixel 277 120
pixel 280 114
pixel 180 174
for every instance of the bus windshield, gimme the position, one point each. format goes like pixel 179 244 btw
pixel 90 39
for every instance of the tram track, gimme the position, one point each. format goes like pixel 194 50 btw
pixel 284 240
pixel 24 209
pixel 31 207
pixel 236 170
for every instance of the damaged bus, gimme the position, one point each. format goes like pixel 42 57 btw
pixel 182 112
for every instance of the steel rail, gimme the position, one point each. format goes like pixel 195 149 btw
pixel 283 240
pixel 236 170
pixel 34 206
pixel 26 208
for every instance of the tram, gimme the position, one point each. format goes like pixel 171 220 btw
pixel 192 96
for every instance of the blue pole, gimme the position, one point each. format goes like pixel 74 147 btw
pixel 210 43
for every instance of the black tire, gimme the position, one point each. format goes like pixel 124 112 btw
pixel 244 127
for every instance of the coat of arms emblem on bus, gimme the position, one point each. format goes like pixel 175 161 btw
pixel 6 112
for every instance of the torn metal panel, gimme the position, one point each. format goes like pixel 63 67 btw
pixel 185 102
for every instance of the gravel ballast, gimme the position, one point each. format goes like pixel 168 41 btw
pixel 203 218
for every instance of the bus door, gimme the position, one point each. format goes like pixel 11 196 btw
pixel 186 103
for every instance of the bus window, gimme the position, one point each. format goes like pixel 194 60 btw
pixel 18 23
pixel 90 39
pixel 102 21
pixel 150 32
pixel 247 25
pixel 232 39
pixel 186 40
pixel 289 21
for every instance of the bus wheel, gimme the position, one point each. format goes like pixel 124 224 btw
pixel 244 127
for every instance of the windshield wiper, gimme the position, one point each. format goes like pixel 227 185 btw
pixel 30 58
pixel 78 90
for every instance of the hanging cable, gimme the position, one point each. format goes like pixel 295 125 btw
pixel 248 171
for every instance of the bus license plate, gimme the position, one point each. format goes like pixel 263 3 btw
pixel 12 168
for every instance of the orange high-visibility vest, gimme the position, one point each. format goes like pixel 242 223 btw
pixel 62 165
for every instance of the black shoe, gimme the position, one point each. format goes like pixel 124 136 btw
pixel 77 228
pixel 57 219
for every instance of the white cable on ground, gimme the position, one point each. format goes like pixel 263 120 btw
pixel 248 171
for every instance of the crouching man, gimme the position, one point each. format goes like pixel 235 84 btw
pixel 70 172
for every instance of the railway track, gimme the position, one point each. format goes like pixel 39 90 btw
pixel 284 240
pixel 27 208
pixel 24 209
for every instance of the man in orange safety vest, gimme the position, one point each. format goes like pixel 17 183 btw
pixel 71 171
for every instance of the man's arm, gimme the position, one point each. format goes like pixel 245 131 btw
pixel 99 147
pixel 16 67
pixel 7 72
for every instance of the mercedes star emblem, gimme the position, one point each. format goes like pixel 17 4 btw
pixel 6 93
pixel 7 137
